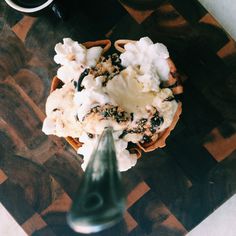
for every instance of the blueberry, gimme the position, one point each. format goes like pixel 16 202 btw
pixel 146 139
pixel 90 135
pixel 152 129
pixel 156 121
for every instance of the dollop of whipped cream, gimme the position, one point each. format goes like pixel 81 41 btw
pixel 126 97
pixel 150 59
pixel 74 58
pixel 61 112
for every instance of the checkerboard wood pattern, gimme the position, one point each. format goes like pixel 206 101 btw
pixel 170 190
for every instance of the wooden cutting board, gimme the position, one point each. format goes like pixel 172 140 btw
pixel 170 190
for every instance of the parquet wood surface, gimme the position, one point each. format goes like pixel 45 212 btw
pixel 170 190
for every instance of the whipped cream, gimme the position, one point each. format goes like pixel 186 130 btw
pixel 74 58
pixel 61 112
pixel 125 96
pixel 151 62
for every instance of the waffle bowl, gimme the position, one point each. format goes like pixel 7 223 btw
pixel 173 83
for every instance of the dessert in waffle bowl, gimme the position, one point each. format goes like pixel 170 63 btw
pixel 133 92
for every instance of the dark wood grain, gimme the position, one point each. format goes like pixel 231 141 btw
pixel 127 28
pixel 19 115
pixel 13 198
pixel 11 17
pixel 13 54
pixel 66 170
pixel 153 216
pixel 46 231
pixel 192 10
pixel 30 177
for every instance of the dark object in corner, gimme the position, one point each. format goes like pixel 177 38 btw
pixel 143 4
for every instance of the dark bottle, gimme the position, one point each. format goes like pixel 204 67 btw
pixel 99 202
pixel 29 3
pixel 39 7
